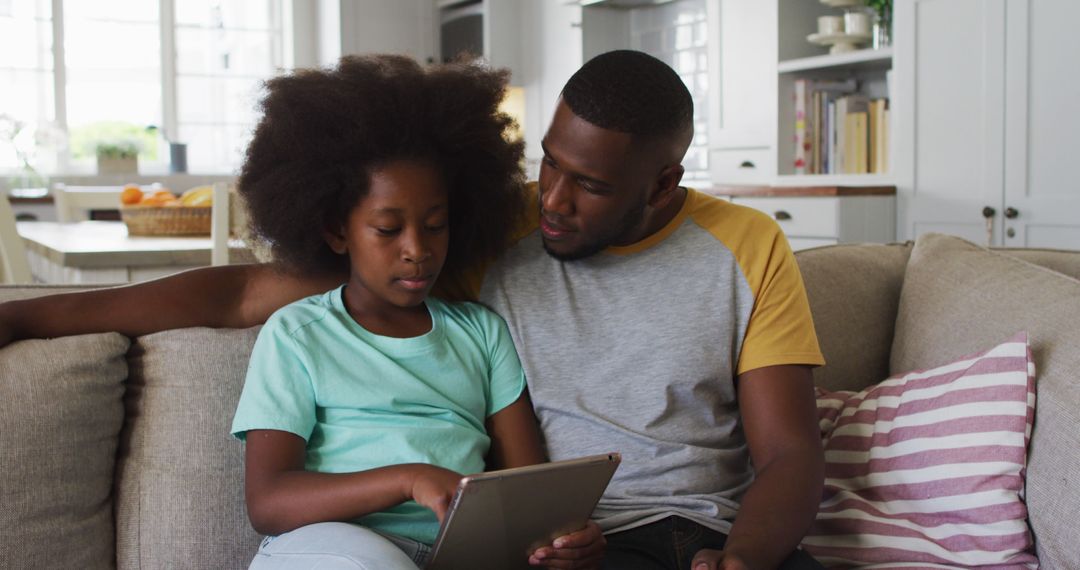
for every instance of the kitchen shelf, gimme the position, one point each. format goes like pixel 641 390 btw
pixel 864 58
pixel 802 180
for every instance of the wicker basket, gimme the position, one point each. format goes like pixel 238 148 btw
pixel 166 220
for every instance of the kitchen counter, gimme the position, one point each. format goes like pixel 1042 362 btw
pixel 103 252
pixel 797 191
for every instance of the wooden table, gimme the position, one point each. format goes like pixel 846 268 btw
pixel 103 252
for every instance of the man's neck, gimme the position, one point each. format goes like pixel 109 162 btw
pixel 658 219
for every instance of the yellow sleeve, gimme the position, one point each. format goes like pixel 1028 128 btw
pixel 781 328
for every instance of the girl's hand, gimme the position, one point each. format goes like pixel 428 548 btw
pixel 707 559
pixel 434 487
pixel 581 549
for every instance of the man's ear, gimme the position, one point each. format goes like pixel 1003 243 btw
pixel 667 185
pixel 335 238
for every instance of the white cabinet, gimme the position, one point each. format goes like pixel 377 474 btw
pixel 742 57
pixel 992 105
pixel 742 86
pixel 814 221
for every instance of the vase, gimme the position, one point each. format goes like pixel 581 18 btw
pixel 126 165
pixel 882 34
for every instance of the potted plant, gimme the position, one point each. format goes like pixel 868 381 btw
pixel 119 156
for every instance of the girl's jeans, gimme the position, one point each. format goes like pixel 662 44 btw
pixel 339 546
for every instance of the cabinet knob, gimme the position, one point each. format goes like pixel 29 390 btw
pixel 747 164
pixel 781 216
pixel 1011 213
pixel 989 212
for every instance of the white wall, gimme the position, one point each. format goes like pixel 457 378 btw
pixel 551 32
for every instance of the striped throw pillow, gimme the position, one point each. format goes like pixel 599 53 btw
pixel 926 469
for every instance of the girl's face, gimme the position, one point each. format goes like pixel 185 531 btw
pixel 396 237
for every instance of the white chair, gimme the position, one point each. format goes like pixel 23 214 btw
pixel 14 267
pixel 73 203
pixel 226 219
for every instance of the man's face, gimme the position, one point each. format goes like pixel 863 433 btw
pixel 593 187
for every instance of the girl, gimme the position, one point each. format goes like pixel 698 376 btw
pixel 366 404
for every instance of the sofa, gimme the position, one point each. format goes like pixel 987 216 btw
pixel 116 452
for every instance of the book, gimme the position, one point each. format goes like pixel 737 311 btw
pixel 818 128
pixel 803 141
pixel 878 136
pixel 852 117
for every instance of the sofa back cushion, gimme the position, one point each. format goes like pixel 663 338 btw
pixel 854 291
pixel 180 493
pixel 62 413
pixel 957 297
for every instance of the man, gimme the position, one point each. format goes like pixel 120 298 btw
pixel 651 320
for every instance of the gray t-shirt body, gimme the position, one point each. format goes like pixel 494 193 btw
pixel 635 353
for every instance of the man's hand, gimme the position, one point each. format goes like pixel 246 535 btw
pixel 434 488
pixel 707 559
pixel 581 549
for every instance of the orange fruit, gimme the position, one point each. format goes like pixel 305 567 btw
pixel 154 200
pixel 131 194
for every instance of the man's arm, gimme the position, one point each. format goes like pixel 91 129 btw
pixel 229 296
pixel 780 421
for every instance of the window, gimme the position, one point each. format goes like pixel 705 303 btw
pixel 26 100
pixel 184 71
pixel 112 75
pixel 224 50
pixel 676 33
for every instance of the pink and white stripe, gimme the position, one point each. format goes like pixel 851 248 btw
pixel 926 469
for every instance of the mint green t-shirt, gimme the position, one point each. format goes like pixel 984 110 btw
pixel 363 401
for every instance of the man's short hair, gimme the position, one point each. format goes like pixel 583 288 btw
pixel 630 92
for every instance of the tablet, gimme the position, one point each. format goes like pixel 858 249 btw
pixel 498 518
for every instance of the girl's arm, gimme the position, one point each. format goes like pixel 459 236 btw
pixel 282 496
pixel 515 439
pixel 236 296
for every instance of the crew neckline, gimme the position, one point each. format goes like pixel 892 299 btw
pixel 419 342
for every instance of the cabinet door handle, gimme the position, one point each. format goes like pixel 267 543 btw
pixel 1011 213
pixel 781 216
pixel 747 164
pixel 988 212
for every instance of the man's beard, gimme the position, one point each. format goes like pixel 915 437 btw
pixel 628 222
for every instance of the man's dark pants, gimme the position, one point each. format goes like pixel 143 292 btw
pixel 670 544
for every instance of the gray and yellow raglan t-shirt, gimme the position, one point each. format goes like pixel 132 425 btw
pixel 636 350
pixel 363 400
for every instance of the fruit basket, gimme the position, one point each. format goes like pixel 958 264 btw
pixel 166 220
pixel 159 212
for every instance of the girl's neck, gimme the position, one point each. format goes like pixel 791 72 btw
pixel 384 319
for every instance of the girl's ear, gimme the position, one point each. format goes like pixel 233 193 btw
pixel 335 238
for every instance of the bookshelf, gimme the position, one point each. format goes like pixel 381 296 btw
pixel 864 59
pixel 865 74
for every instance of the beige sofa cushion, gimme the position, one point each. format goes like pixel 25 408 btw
pixel 854 291
pixel 958 297
pixel 62 413
pixel 180 499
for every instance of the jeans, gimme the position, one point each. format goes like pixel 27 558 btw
pixel 671 543
pixel 339 546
